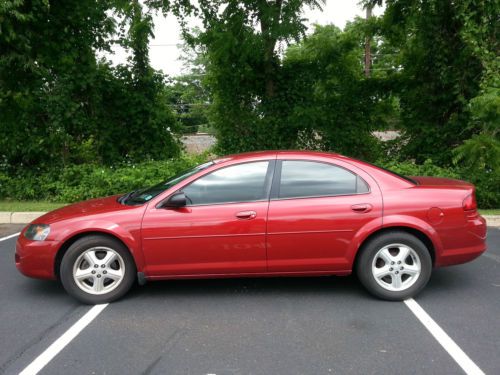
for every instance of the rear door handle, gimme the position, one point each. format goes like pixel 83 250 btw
pixel 246 215
pixel 363 207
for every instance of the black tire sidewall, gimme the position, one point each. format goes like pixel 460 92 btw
pixel 368 251
pixel 80 246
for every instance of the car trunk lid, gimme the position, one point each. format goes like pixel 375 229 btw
pixel 469 203
pixel 441 181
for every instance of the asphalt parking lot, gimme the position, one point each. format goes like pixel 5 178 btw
pixel 254 326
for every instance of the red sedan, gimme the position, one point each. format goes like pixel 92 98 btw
pixel 276 213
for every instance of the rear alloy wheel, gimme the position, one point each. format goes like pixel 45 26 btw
pixel 394 266
pixel 97 269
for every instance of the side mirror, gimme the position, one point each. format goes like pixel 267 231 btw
pixel 175 201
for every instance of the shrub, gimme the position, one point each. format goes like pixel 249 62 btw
pixel 78 182
pixel 487 181
pixel 427 169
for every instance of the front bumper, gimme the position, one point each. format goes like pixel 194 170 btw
pixel 36 258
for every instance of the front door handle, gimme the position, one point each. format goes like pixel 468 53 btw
pixel 363 207
pixel 246 215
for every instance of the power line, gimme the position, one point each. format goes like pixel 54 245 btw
pixel 189 104
pixel 164 45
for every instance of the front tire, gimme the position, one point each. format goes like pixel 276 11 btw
pixel 394 266
pixel 97 269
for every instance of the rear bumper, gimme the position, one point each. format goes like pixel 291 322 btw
pixel 36 258
pixel 471 244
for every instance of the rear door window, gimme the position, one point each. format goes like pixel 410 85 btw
pixel 313 179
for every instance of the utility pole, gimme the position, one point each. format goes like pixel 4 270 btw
pixel 368 55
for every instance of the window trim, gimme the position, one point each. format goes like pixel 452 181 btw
pixel 277 181
pixel 267 184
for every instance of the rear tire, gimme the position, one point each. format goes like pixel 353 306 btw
pixel 394 266
pixel 97 269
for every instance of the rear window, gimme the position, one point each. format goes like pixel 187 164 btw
pixel 313 179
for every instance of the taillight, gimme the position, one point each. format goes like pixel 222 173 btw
pixel 469 203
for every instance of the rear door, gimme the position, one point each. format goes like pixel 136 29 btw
pixel 316 209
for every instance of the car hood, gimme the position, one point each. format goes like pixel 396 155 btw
pixel 85 208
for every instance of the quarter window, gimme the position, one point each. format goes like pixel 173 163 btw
pixel 312 179
pixel 237 183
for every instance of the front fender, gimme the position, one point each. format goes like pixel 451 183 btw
pixel 130 237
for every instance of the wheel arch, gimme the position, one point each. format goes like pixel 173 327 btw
pixel 421 235
pixel 71 240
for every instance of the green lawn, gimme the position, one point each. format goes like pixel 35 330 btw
pixel 495 211
pixel 15 206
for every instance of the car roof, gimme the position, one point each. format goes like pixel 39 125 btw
pixel 273 154
pixel 385 179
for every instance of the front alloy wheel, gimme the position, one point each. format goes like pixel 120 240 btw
pixel 97 269
pixel 394 265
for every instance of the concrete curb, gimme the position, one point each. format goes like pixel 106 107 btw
pixel 19 217
pixel 492 220
pixel 27 217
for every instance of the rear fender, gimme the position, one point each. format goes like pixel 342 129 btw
pixel 360 236
pixel 393 221
pixel 417 224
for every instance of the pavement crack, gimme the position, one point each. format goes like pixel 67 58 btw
pixel 169 344
pixel 65 318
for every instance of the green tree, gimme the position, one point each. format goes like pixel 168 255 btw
pixel 443 64
pixel 332 101
pixel 189 101
pixel 241 41
pixel 139 113
pixel 47 77
pixel 187 95
pixel 59 104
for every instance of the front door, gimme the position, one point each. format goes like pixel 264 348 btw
pixel 220 231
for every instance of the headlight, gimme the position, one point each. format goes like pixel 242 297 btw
pixel 37 232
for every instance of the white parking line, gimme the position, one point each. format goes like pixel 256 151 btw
pixel 446 341
pixel 41 361
pixel 11 236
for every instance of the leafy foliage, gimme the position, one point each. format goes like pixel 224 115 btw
pixel 241 42
pixel 60 104
pixel 446 49
pixel 486 181
pixel 258 80
pixel 307 100
pixel 78 182
pixel 323 75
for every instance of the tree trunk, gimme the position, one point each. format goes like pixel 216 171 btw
pixel 368 55
pixel 268 19
pixel 269 71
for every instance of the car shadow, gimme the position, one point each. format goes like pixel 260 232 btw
pixel 248 287
pixel 442 281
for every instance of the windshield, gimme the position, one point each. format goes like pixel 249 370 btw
pixel 144 195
